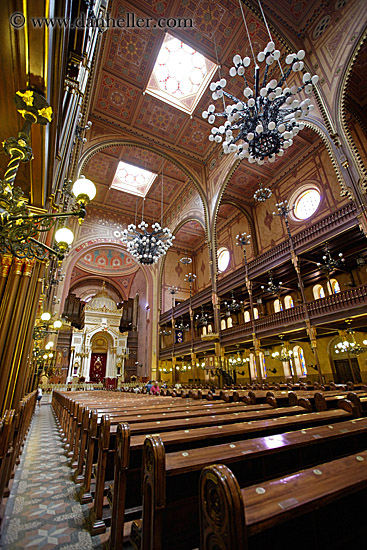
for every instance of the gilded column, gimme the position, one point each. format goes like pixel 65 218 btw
pixel 21 360
pixel 9 297
pixel 5 264
pixel 14 344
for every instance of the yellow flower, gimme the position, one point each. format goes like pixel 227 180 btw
pixel 27 97
pixel 46 112
pixel 19 222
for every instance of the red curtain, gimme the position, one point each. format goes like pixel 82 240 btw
pixel 97 370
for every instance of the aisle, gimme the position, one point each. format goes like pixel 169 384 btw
pixel 42 511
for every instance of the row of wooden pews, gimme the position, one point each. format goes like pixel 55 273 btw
pixel 113 438
pixel 14 426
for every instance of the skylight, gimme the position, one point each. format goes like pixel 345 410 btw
pixel 180 74
pixel 132 179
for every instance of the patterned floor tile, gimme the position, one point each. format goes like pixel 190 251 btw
pixel 42 511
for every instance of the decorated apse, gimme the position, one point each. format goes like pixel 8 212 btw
pixel 99 349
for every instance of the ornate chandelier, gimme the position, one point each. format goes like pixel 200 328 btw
pixel 19 226
pixel 330 264
pixel 233 306
pixel 147 247
pixel 353 347
pixel 264 123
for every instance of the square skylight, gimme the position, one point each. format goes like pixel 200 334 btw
pixel 180 75
pixel 132 179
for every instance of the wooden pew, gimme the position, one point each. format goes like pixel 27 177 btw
pixel 280 513
pixel 170 480
pixel 127 466
pixel 106 446
pixel 359 401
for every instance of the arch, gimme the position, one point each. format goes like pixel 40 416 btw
pixel 163 262
pixel 299 361
pixel 97 278
pixel 253 368
pixel 334 286
pixel 256 313
pixel 246 316
pixel 341 113
pixel 277 305
pixel 223 324
pixel 288 301
pixel 229 322
pixel 318 292
pixel 91 151
pixel 236 204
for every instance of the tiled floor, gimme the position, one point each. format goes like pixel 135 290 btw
pixel 43 511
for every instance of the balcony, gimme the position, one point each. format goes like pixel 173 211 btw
pixel 347 303
pixel 337 222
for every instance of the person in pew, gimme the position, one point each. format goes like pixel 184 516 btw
pixel 148 387
pixel 154 390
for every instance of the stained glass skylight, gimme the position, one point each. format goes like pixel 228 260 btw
pixel 132 179
pixel 180 74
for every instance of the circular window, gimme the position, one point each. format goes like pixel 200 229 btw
pixel 223 259
pixel 306 203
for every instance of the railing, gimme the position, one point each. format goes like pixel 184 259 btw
pixel 335 306
pixel 336 222
pixel 86 386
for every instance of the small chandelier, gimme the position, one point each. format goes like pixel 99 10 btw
pixel 147 247
pixel 43 326
pixel 273 287
pixel 233 306
pixel 330 264
pixel 264 123
pixel 19 226
pixel 203 317
pixel 345 346
pixel 165 332
pixel 262 194
pixel 182 326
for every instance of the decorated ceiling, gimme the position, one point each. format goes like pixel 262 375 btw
pixel 143 130
pixel 109 261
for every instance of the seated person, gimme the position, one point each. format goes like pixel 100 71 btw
pixel 154 390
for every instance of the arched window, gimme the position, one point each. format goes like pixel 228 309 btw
pixel 278 306
pixel 318 292
pixel 262 364
pixel 229 322
pixel 247 316
pixel 223 324
pixel 210 329
pixel 287 369
pixel 256 313
pixel 203 332
pixel 335 287
pixel 253 369
pixel 299 361
pixel 288 302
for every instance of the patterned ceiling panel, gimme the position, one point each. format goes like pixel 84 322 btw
pixel 226 211
pixel 172 171
pixel 211 20
pixel 357 82
pixel 298 15
pixel 142 158
pixel 128 51
pixel 101 168
pixel 160 119
pixel 107 261
pixel 195 137
pixel 189 236
pixel 157 7
pixel 169 189
pixel 116 98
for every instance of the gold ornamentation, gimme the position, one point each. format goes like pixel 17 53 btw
pixel 27 97
pixel 46 113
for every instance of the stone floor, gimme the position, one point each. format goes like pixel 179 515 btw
pixel 43 510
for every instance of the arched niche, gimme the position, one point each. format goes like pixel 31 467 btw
pixel 189 243
pixel 232 219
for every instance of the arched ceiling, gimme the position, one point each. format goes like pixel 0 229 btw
pixel 189 236
pixel 121 106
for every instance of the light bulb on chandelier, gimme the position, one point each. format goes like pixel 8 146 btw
pixel 264 124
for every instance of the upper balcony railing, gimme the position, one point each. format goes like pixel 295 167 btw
pixel 328 227
pixel 331 308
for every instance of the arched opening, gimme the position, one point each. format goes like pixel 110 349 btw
pixel 318 292
pixel 256 313
pixel 278 306
pixel 253 368
pixel 334 286
pixel 299 361
pixel 288 302
pixel 223 324
pixel 246 316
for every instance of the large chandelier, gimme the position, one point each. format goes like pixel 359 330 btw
pixel 19 226
pixel 264 123
pixel 353 347
pixel 147 247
